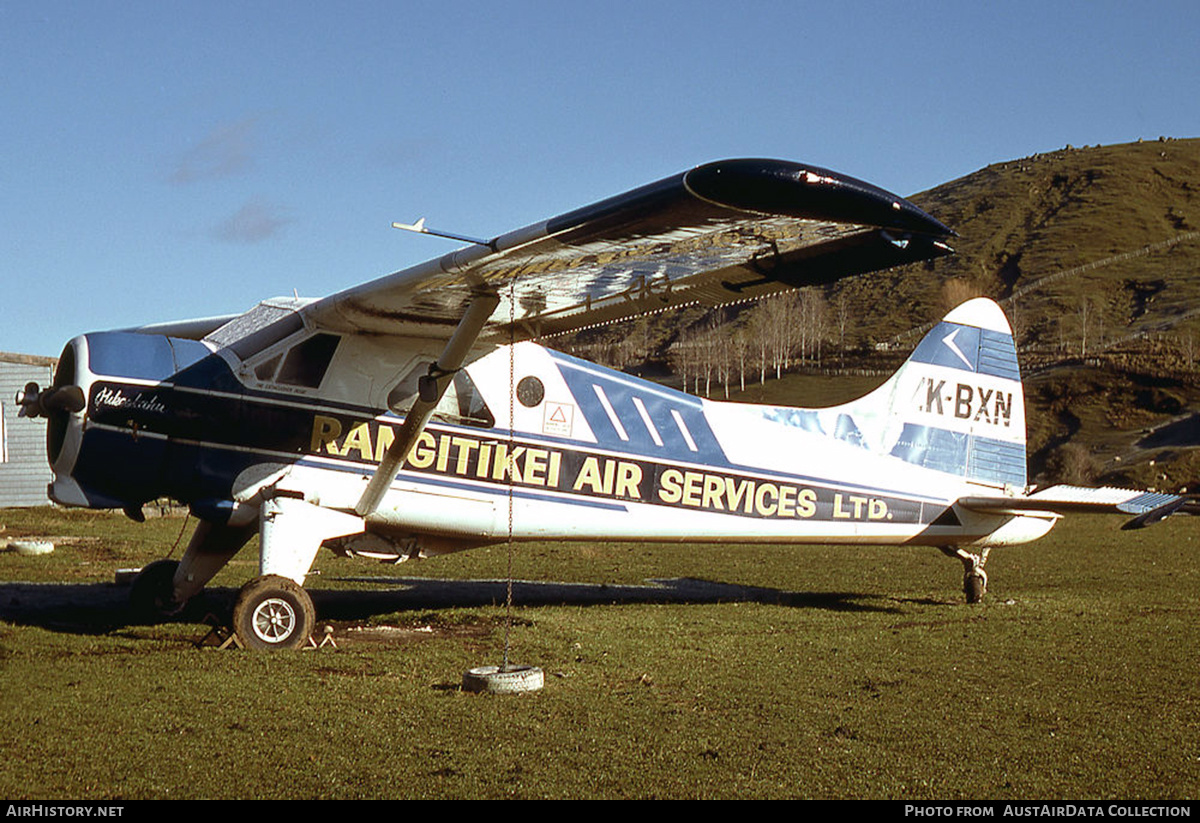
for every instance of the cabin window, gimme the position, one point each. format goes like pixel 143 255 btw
pixel 266 369
pixel 462 403
pixel 307 361
pixel 303 365
pixel 531 391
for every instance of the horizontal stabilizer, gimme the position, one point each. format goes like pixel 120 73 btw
pixel 1147 506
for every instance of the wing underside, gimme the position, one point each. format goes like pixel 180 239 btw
pixel 720 233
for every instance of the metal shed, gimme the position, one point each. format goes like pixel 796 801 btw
pixel 24 472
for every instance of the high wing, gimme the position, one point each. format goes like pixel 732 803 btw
pixel 1147 507
pixel 719 233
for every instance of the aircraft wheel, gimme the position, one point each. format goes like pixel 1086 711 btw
pixel 151 598
pixel 975 586
pixel 273 612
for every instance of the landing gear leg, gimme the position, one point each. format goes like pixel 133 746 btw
pixel 974 576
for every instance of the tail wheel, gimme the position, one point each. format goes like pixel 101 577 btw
pixel 975 579
pixel 975 586
pixel 273 612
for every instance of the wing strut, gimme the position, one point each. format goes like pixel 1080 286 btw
pixel 431 389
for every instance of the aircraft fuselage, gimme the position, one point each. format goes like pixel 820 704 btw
pixel 559 449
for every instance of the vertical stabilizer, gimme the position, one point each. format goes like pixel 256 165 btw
pixel 969 411
pixel 956 405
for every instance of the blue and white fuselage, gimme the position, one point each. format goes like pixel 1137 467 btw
pixel 575 451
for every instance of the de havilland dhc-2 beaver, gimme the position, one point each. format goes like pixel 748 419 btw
pixel 417 414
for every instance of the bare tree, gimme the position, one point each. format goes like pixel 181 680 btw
pixel 842 318
pixel 958 290
pixel 1085 307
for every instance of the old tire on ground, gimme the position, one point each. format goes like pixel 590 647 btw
pixel 273 612
pixel 497 680
pixel 152 595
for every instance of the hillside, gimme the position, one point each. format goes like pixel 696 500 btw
pixel 1095 255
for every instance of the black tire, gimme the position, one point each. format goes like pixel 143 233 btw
pixel 974 587
pixel 273 613
pixel 151 597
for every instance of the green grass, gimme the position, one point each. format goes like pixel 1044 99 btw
pixel 865 677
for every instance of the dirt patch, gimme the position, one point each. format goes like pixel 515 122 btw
pixel 361 634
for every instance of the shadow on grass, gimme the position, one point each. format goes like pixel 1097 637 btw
pixel 97 608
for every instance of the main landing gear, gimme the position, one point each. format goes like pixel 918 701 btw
pixel 974 576
pixel 273 612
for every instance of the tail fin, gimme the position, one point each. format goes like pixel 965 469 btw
pixel 955 406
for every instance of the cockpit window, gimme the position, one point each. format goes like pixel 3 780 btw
pixel 306 363
pixel 462 403
pixel 303 365
pixel 266 369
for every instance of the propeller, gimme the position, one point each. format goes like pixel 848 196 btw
pixel 37 403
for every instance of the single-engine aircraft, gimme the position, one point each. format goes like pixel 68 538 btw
pixel 417 414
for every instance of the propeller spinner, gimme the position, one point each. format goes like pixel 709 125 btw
pixel 37 403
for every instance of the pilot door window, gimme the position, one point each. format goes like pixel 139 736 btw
pixel 462 403
pixel 303 365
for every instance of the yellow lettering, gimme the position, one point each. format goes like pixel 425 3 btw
pixel 359 438
pixel 766 509
pixel 736 492
pixel 787 501
pixel 500 462
pixel 628 480
pixel 465 447
pixel 670 488
pixel 555 467
pixel 589 475
pixel 325 431
pixel 514 467
pixel 485 458
pixel 806 503
pixel 878 510
pixel 443 453
pixel 383 440
pixel 714 487
pixel 692 482
pixel 423 452
pixel 535 466
pixel 838 512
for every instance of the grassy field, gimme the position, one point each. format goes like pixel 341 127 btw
pixel 793 672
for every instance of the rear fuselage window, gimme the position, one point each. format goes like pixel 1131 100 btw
pixel 462 403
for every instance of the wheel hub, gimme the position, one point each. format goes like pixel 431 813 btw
pixel 274 620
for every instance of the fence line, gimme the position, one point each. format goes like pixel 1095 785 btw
pixel 1052 278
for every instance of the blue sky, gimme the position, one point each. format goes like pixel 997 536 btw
pixel 166 160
